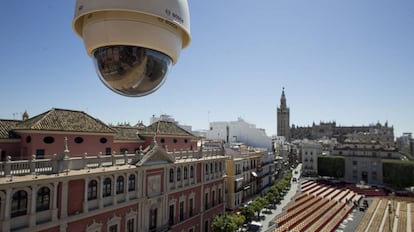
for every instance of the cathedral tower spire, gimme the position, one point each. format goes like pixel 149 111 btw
pixel 283 126
pixel 283 99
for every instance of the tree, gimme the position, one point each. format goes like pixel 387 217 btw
pixel 258 204
pixel 225 223
pixel 247 211
pixel 238 219
pixel 398 174
pixel 270 197
pixel 333 166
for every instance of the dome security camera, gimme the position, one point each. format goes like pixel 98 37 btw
pixel 133 42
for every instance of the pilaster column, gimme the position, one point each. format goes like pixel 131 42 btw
pixel 64 206
pixel 126 187
pixel 32 214
pixel 7 210
pixel 2 206
pixel 113 190
pixel 54 201
pixel 62 227
pixel 85 199
pixel 100 192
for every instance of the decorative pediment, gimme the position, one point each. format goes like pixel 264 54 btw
pixel 155 155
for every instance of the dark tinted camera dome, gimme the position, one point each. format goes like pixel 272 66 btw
pixel 131 71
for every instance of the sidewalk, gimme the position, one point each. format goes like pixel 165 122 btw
pixel 271 214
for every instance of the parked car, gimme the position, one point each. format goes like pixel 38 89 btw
pixel 254 227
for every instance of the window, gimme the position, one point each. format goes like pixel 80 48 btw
pixel 171 216
pixel 220 199
pixel 120 185
pixel 43 199
pixel 191 171
pixel 215 167
pixel 181 211
pixel 174 140
pixel 185 140
pixel 40 153
pixel 374 175
pixel 213 198
pixel 206 226
pixel 103 140
pixel 191 206
pixel 221 167
pixel 211 168
pixel 130 225
pixel 19 203
pixel 92 190
pixel 113 228
pixel 162 140
pixel 153 219
pixel 178 174
pixel 107 187
pixel 206 201
pixel 131 183
pixel 185 173
pixel 206 169
pixel 171 175
pixel 78 140
pixel 28 139
pixel 48 139
pixel 108 151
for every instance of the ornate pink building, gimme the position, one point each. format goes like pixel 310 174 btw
pixel 64 170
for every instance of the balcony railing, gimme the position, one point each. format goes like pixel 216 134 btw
pixel 64 163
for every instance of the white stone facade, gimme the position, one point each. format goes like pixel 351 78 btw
pixel 239 132
pixel 310 150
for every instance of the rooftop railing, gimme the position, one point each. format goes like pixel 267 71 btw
pixel 64 163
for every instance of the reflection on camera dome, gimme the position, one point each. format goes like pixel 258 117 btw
pixel 131 71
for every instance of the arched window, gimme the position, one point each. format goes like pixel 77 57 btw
pixel 19 203
pixel 185 173
pixel 178 174
pixel 107 187
pixel 120 185
pixel 43 199
pixel 191 171
pixel 171 175
pixel 131 183
pixel 92 190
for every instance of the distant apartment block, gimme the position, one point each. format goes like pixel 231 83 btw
pixel 239 132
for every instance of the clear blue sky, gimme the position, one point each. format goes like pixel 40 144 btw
pixel 351 61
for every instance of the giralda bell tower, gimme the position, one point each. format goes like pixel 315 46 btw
pixel 283 128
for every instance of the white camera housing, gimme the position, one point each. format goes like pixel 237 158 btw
pixel 133 42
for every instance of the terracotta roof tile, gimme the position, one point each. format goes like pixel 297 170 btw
pixel 5 128
pixel 164 128
pixel 64 120
pixel 126 133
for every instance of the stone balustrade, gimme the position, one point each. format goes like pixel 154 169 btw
pixel 65 163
